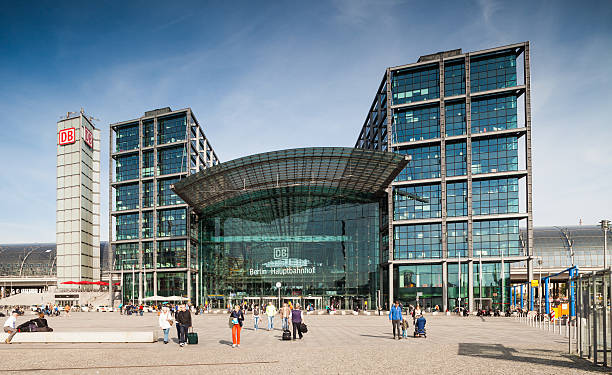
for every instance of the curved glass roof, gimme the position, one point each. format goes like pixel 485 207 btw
pixel 291 180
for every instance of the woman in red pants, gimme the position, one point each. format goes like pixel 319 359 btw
pixel 237 317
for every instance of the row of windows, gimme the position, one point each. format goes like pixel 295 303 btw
pixel 486 73
pixel 488 156
pixel 170 223
pixel 127 195
pixel 170 254
pixel 407 208
pixel 416 124
pixel 490 197
pixel 491 238
pixel 492 114
pixel 493 72
pixel 417 241
pixel 416 85
pixel 495 155
pixel 499 196
pixel 455 119
pixel 169 129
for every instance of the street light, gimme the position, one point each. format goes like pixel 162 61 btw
pixel 605 226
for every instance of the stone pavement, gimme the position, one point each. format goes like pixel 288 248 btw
pixel 333 345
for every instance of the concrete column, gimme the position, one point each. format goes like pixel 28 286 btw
pixel 471 285
pixel 444 286
pixel 390 285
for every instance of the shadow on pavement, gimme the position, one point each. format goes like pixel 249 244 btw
pixel 379 337
pixel 225 342
pixel 499 351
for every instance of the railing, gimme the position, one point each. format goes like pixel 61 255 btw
pixel 593 338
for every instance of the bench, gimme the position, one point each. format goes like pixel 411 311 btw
pixel 82 337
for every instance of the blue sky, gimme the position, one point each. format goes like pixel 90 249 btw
pixel 263 76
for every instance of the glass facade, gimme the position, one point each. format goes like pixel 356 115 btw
pixel 497 238
pixel 455 118
pixel 406 208
pixel 495 155
pixel 126 137
pixel 454 78
pixel 492 72
pixel 126 168
pixel 456 160
pixel 127 197
pixel 416 124
pixel 413 85
pixel 457 234
pixel 490 283
pixel 172 223
pixel 171 160
pixel 425 163
pixel 169 141
pixel 493 197
pixel 458 285
pixel 331 251
pixel 456 199
pixel 171 129
pixel 426 280
pixel 495 113
pixel 417 241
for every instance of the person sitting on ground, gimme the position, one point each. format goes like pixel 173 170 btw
pixel 10 326
pixel 35 325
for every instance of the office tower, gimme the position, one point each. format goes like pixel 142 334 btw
pixel 152 232
pixel 456 209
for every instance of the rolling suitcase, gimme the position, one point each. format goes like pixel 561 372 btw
pixel 192 337
pixel 286 335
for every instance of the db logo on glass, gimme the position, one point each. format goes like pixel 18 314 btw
pixel 281 252
pixel 88 137
pixel 66 136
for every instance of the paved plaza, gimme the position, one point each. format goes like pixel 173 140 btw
pixel 333 345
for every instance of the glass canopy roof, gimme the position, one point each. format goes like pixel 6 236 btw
pixel 291 180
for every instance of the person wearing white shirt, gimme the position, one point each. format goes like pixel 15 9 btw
pixel 165 322
pixel 10 326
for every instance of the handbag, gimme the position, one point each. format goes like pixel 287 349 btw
pixel 303 328
pixel 231 323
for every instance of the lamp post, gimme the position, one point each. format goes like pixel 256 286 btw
pixel 605 226
pixel 540 287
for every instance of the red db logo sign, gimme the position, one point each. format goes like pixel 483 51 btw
pixel 66 136
pixel 88 137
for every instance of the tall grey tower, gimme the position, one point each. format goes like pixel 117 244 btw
pixel 78 199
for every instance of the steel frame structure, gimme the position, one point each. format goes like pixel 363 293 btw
pixel 377 131
pixel 197 149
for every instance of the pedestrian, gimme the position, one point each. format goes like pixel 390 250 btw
pixel 237 317
pixel 183 323
pixel 405 326
pixel 256 316
pixel 165 322
pixel 121 309
pixel 297 318
pixel 285 312
pixel 67 308
pixel 270 312
pixel 10 326
pixel 395 316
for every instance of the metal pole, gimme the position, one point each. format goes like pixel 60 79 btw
pixel 459 278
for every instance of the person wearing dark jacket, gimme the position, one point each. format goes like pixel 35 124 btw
pixel 297 318
pixel 183 322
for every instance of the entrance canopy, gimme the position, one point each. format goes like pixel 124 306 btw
pixel 282 182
